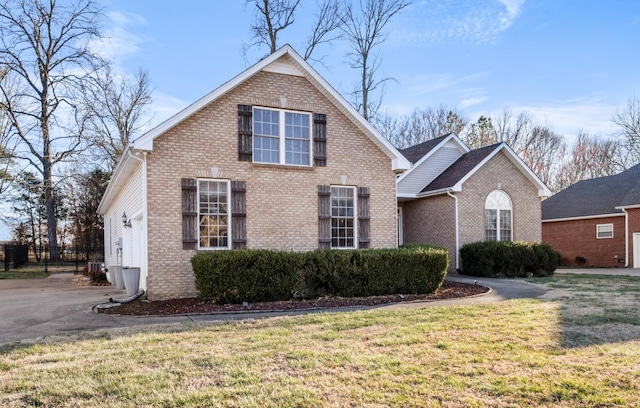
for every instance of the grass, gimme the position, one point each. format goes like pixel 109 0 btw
pixel 35 271
pixel 508 354
pixel 23 274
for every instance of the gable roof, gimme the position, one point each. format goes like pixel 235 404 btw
pixel 468 164
pixel 593 197
pixel 417 152
pixel 459 169
pixel 286 61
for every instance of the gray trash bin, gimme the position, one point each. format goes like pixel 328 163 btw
pixel 131 280
pixel 116 276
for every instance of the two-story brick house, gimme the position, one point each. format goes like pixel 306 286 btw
pixel 274 158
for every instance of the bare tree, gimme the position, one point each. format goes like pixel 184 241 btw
pixel 364 30
pixel 44 47
pixel 118 106
pixel 421 125
pixel 272 16
pixel 628 120
pixel 590 157
pixel 481 133
pixel 325 29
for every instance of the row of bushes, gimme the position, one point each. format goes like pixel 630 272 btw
pixel 508 259
pixel 267 275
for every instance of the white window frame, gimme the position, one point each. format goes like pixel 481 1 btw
pixel 283 138
pixel 600 228
pixel 355 217
pixel 228 184
pixel 498 211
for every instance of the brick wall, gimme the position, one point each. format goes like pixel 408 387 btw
pixel 281 200
pixel 499 173
pixel 578 238
pixel 431 220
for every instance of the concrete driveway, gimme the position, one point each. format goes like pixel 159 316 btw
pixel 32 309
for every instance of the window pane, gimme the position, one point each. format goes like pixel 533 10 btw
pixel 491 226
pixel 213 214
pixel 505 225
pixel 297 138
pixel 342 217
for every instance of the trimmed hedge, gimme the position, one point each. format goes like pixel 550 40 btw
pixel 508 259
pixel 266 275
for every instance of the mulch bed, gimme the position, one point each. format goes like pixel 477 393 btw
pixel 449 290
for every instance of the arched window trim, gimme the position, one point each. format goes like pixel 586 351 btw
pixel 498 216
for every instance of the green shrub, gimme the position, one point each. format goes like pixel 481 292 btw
pixel 266 275
pixel 508 259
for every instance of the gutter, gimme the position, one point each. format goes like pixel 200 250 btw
pixel 626 237
pixel 145 240
pixel 455 198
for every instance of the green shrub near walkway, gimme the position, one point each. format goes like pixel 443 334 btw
pixel 508 259
pixel 268 275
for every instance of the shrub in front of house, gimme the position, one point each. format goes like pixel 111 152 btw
pixel 267 275
pixel 508 259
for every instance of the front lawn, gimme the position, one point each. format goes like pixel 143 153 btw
pixel 509 354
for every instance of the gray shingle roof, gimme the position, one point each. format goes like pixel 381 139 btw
pixel 417 152
pixel 597 196
pixel 460 168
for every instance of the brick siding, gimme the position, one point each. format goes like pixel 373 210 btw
pixel 431 220
pixel 281 201
pixel 577 238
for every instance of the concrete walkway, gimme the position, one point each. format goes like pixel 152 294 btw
pixel 32 309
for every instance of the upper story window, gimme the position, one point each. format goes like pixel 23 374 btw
pixel 604 231
pixel 281 137
pixel 213 214
pixel 498 220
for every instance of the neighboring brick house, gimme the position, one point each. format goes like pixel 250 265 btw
pixel 453 196
pixel 596 222
pixel 274 158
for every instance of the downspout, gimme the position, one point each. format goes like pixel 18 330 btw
pixel 455 199
pixel 626 238
pixel 145 258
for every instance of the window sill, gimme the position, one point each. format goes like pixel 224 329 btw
pixel 283 166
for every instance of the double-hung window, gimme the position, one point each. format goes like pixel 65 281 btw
pixel 343 211
pixel 281 137
pixel 604 231
pixel 498 220
pixel 213 214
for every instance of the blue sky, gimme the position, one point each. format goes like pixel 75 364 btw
pixel 569 63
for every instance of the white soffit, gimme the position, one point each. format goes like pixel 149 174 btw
pixel 283 67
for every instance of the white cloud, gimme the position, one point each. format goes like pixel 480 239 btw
pixel 475 20
pixel 164 106
pixel 569 117
pixel 120 41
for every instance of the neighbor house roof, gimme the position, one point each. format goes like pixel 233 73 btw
pixel 598 196
pixel 284 60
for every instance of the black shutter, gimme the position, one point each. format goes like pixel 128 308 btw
pixel 319 139
pixel 238 215
pixel 324 217
pixel 245 133
pixel 189 213
pixel 363 217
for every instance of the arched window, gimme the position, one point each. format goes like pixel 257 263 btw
pixel 497 213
